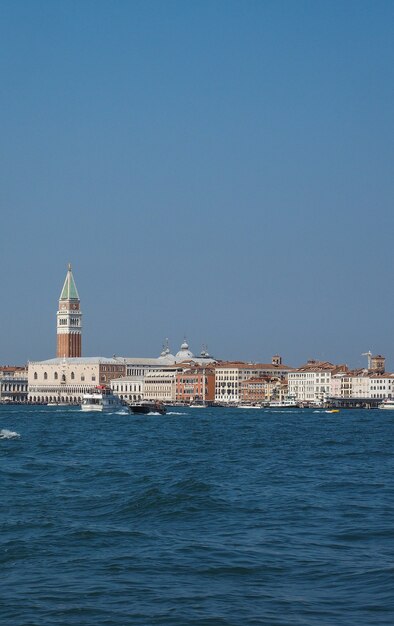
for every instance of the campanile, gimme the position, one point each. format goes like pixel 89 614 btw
pixel 69 320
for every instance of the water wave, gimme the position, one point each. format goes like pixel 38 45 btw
pixel 8 434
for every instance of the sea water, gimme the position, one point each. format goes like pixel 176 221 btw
pixel 201 517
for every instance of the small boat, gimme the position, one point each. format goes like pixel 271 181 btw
pixel 101 398
pixel 387 404
pixel 198 404
pixel 332 411
pixel 145 407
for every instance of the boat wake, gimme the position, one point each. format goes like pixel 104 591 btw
pixel 176 413
pixel 8 434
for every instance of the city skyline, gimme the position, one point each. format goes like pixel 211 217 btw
pixel 216 171
pixel 67 347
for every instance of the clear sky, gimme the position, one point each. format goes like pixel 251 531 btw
pixel 216 169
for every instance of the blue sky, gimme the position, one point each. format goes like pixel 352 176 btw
pixel 216 169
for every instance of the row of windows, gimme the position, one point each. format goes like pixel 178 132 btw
pixel 63 377
pixel 127 388
pixel 73 321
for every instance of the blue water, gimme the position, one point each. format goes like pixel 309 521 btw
pixel 202 517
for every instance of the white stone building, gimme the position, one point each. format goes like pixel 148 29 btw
pixel 66 380
pixel 311 383
pixel 129 388
pixel 354 384
pixel 381 386
pixel 13 384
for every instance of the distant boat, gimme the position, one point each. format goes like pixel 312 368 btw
pixel 286 403
pixel 198 404
pixel 248 406
pixel 101 398
pixel 387 404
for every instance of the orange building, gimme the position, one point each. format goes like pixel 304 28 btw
pixel 195 383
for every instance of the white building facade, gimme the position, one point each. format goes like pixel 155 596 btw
pixel 229 377
pixel 66 380
pixel 312 382
pixel 129 388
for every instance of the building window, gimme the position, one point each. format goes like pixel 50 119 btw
pixel 93 378
pixel 45 376
pixel 82 377
pixel 72 375
pixel 55 375
pixel 35 375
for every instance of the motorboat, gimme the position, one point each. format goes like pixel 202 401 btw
pixel 101 398
pixel 387 404
pixel 248 406
pixel 198 404
pixel 145 407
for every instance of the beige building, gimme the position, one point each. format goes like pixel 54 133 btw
pixel 161 385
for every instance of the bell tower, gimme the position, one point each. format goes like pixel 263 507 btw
pixel 69 320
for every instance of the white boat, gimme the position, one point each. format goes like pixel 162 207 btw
pixel 101 398
pixel 198 404
pixel 387 404
pixel 248 406
pixel 286 403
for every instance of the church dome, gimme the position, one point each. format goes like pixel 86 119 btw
pixel 184 353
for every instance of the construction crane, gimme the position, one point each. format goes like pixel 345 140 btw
pixel 369 355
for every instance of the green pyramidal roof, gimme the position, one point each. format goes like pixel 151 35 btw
pixel 69 291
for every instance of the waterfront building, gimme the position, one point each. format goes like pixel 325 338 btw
pixel 230 375
pixel 381 386
pixel 161 385
pixel 129 388
pixel 13 383
pixel 353 384
pixel 362 385
pixel 260 390
pixel 195 383
pixel 66 380
pixel 69 320
pixel 311 383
